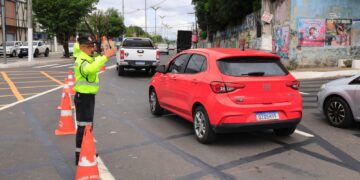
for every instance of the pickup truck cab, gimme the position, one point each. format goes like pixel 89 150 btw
pixel 137 53
pixel 12 48
pixel 39 47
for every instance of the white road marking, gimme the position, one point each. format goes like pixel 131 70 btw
pixel 46 66
pixel 303 133
pixel 64 65
pixel 304 93
pixel 104 171
pixel 111 67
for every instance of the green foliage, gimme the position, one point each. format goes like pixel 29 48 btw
pixel 348 63
pixel 215 15
pixel 61 17
pixel 136 31
pixel 293 64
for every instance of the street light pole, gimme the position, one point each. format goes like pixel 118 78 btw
pixel 30 31
pixel 145 18
pixel 155 9
pixel 3 22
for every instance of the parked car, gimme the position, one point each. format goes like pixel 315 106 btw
pixel 226 90
pixel 12 48
pixel 39 47
pixel 171 47
pixel 163 48
pixel 137 53
pixel 339 101
pixel 71 49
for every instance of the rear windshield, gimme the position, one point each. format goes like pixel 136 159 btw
pixel 252 66
pixel 138 43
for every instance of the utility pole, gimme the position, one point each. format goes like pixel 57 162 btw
pixel 3 22
pixel 123 10
pixel 145 18
pixel 30 32
pixel 162 24
pixel 155 9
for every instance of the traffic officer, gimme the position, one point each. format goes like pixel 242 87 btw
pixel 76 50
pixel 86 70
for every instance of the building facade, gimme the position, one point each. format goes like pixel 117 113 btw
pixel 15 20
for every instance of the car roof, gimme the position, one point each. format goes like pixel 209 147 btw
pixel 221 53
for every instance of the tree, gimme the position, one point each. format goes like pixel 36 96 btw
pixel 61 17
pixel 136 31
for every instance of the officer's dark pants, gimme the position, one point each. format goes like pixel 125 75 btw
pixel 85 104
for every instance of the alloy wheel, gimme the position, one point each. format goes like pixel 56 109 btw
pixel 336 112
pixel 153 101
pixel 200 128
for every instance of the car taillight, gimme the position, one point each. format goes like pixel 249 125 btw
pixel 293 84
pixel 157 55
pixel 122 54
pixel 225 87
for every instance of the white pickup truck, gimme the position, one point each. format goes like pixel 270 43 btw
pixel 39 47
pixel 137 53
pixel 12 48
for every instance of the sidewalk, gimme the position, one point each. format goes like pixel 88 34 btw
pixel 15 62
pixel 324 72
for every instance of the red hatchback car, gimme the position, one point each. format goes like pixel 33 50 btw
pixel 227 90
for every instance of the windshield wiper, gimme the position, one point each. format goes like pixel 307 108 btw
pixel 254 74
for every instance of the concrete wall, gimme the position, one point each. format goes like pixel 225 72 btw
pixel 328 53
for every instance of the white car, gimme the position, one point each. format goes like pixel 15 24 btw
pixel 163 48
pixel 12 48
pixel 39 47
pixel 71 49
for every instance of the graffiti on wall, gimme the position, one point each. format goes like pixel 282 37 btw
pixel 281 41
pixel 311 32
pixel 338 32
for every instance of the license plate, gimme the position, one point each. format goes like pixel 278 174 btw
pixel 264 116
pixel 140 63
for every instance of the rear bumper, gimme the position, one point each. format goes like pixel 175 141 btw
pixel 138 64
pixel 228 128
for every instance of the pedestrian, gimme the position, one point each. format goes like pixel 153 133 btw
pixel 86 70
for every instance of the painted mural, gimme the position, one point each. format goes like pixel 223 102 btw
pixel 338 32
pixel 281 42
pixel 311 32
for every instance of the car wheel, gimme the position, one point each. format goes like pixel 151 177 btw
pixel 338 112
pixel 13 54
pixel 46 53
pixel 20 56
pixel 284 131
pixel 36 53
pixel 202 127
pixel 155 107
pixel 151 71
pixel 121 71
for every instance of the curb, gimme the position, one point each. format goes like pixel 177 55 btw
pixel 319 75
pixel 35 62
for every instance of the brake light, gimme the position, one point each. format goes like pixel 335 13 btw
pixel 225 87
pixel 157 55
pixel 122 54
pixel 293 84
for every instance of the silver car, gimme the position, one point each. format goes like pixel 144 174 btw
pixel 339 100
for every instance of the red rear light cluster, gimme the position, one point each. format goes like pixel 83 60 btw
pixel 122 54
pixel 293 84
pixel 225 87
pixel 157 55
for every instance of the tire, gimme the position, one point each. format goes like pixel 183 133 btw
pixel 284 131
pixel 338 112
pixel 121 71
pixel 46 53
pixel 155 107
pixel 36 53
pixel 151 71
pixel 202 127
pixel 20 56
pixel 13 54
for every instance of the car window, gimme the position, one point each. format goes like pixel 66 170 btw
pixel 356 81
pixel 178 64
pixel 252 66
pixel 40 44
pixel 196 64
pixel 138 43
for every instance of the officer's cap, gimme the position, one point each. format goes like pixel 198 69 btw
pixel 85 40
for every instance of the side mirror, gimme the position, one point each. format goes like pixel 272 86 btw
pixel 161 69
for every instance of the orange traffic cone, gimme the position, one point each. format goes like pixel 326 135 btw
pixel 66 124
pixel 103 68
pixel 87 167
pixel 71 83
pixel 66 88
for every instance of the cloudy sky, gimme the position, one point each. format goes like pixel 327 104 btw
pixel 174 12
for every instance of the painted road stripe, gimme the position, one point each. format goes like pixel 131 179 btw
pixel 37 77
pixel 64 65
pixel 30 87
pixel 24 82
pixel 13 88
pixel 304 93
pixel 303 133
pixel 34 73
pixel 104 171
pixel 46 66
pixel 50 77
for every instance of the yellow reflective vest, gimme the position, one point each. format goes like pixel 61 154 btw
pixel 86 70
pixel 76 50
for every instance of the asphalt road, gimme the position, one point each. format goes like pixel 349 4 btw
pixel 133 144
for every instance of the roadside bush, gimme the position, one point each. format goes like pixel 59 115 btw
pixel 348 63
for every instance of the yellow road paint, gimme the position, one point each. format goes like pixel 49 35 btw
pixel 34 73
pixel 52 78
pixel 12 87
pixel 24 82
pixel 37 77
pixel 30 87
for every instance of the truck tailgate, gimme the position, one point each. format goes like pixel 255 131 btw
pixel 140 54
